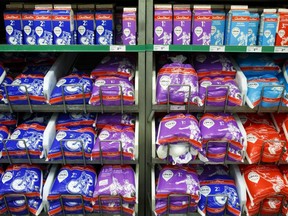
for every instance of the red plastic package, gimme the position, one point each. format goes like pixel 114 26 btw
pixel 263 137
pixel 278 119
pixel 249 119
pixel 263 181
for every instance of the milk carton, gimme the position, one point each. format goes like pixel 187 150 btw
pixel 182 24
pixel 218 27
pixel 86 24
pixel 253 27
pixel 43 24
pixel 118 25
pixel 104 24
pixel 129 26
pixel 163 24
pixel 268 27
pixel 237 25
pixel 282 30
pixel 63 25
pixel 13 24
pixel 202 22
pixel 29 36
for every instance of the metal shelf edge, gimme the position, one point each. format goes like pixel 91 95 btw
pixel 42 161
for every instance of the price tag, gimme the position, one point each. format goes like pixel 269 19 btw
pixel 217 48
pixel 117 48
pixel 177 107
pixel 161 47
pixel 256 49
pixel 280 49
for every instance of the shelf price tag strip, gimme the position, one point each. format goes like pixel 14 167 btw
pixel 117 48
pixel 254 49
pixel 280 49
pixel 161 48
pixel 217 48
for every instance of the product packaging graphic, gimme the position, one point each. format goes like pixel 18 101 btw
pixel 28 25
pixel 237 23
pixel 282 31
pixel 85 24
pixel 182 24
pixel 218 27
pixel 63 25
pixel 43 24
pixel 202 22
pixel 268 27
pixel 13 24
pixel 118 25
pixel 163 24
pixel 253 27
pixel 104 24
pixel 129 26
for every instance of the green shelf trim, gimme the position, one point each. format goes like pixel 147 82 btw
pixel 71 48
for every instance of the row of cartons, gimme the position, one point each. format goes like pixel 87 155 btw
pixel 213 26
pixel 57 24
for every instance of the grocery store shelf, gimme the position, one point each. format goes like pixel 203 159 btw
pixel 91 214
pixel 231 109
pixel 69 108
pixel 202 48
pixel 71 48
pixel 160 161
pixel 42 161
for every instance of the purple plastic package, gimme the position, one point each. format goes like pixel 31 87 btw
pixel 213 65
pixel 110 139
pixel 217 95
pixel 222 138
pixel 179 128
pixel 163 24
pixel 112 89
pixel 177 180
pixel 182 75
pixel 115 180
pixel 114 119
pixel 202 22
pixel 118 66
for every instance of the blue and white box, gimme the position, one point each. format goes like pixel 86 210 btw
pixel 86 24
pixel 104 24
pixel 29 36
pixel 237 23
pixel 63 25
pixel 13 24
pixel 218 27
pixel 43 24
pixel 253 27
pixel 268 27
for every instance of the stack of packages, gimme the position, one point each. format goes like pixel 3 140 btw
pixel 213 74
pixel 26 180
pixel 113 81
pixel 216 138
pixel 208 189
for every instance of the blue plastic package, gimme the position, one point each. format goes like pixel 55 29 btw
pixel 283 82
pixel 8 119
pixel 257 65
pixel 75 119
pixel 79 88
pixel 271 93
pixel 2 73
pixel 73 147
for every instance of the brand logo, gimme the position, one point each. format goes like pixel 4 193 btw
pixel 204 17
pixel 163 17
pixel 170 124
pixel 240 18
pixel 12 17
pixel 217 17
pixel 104 135
pixel 208 123
pixel 254 177
pixel 62 175
pixel 42 17
pixel 205 190
pixel 167 175
pixel 7 177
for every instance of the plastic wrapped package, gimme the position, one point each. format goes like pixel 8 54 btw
pixel 182 133
pixel 217 95
pixel 213 65
pixel 116 66
pixel 114 119
pixel 76 88
pixel 178 180
pixel 7 81
pixel 115 182
pixel 223 138
pixel 75 119
pixel 182 75
pixel 79 181
pixel 111 89
pixel 109 140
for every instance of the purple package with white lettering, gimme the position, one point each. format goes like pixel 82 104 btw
pixel 177 180
pixel 177 73
pixel 217 95
pixel 129 26
pixel 115 142
pixel 213 65
pixel 163 24
pixel 202 22
pixel 182 24
pixel 113 90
